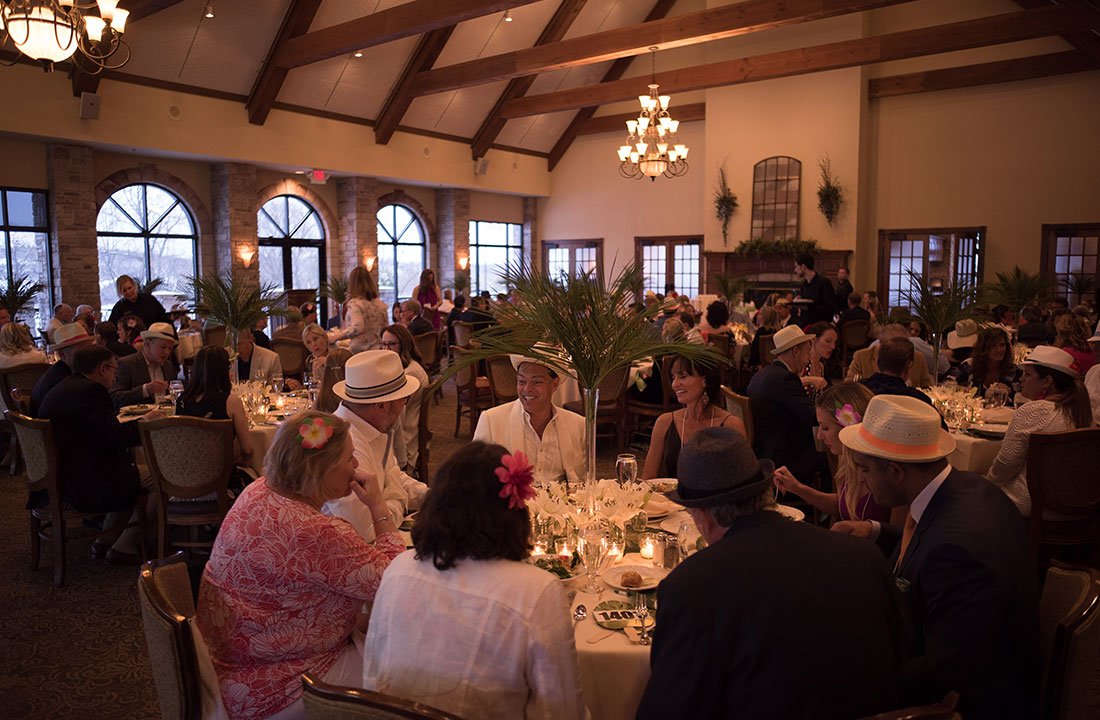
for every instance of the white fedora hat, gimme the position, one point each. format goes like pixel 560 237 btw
pixel 159 331
pixel 896 427
pixel 788 337
pixel 69 335
pixel 1052 358
pixel 965 334
pixel 560 366
pixel 375 376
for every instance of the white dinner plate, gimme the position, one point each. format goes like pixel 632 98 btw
pixel 659 506
pixel 663 485
pixel 995 431
pixel 135 409
pixel 671 524
pixel 651 576
pixel 792 512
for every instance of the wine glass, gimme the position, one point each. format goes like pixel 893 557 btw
pixel 626 468
pixel 175 389
pixel 641 611
pixel 687 539
pixel 277 382
pixel 597 543
pixel 996 396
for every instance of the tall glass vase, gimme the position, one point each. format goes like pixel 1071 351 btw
pixel 591 406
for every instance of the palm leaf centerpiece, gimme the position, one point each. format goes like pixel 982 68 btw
pixel 939 309
pixel 235 303
pixel 589 326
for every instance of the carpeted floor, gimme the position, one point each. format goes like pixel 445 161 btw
pixel 79 651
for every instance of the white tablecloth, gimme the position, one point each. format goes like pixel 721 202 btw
pixel 973 454
pixel 614 671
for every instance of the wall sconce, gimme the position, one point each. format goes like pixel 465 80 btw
pixel 368 261
pixel 246 254
pixel 464 262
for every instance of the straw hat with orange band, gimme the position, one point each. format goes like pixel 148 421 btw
pixel 898 428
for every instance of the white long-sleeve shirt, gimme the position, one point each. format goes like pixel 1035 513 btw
pixel 374 453
pixel 487 639
pixel 363 323
pixel 558 453
pixel 1009 469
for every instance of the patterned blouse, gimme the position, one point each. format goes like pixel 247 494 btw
pixel 280 596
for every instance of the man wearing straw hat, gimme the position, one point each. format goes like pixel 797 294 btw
pixel 962 560
pixel 67 340
pixel 782 413
pixel 144 375
pixel 372 400
pixel 740 618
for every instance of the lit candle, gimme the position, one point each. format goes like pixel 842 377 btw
pixel 540 549
pixel 563 548
pixel 646 548
pixel 280 402
pixel 615 553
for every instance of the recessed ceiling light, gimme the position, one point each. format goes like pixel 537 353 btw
pixel 507 16
pixel 357 53
pixel 209 10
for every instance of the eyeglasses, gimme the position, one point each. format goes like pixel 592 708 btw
pixel 389 344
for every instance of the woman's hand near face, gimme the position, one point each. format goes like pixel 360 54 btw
pixel 818 383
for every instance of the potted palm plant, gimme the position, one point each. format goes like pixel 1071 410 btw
pixel 591 321
pixel 732 287
pixel 235 303
pixel 939 308
pixel 18 295
pixel 1018 288
pixel 336 290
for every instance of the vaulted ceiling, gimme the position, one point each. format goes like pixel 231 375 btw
pixel 532 74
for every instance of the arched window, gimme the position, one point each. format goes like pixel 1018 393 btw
pixel 401 248
pixel 145 231
pixel 292 244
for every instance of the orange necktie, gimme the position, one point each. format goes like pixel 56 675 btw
pixel 906 536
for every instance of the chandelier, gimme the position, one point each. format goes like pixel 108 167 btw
pixel 51 31
pixel 652 148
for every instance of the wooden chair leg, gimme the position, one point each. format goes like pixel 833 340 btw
pixel 36 541
pixel 58 540
pixel 458 414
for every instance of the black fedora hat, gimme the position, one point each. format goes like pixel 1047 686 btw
pixel 717 467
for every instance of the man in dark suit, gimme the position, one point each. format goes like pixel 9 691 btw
pixel 96 469
pixel 843 288
pixel 412 319
pixel 854 310
pixel 144 375
pixel 67 340
pixel 962 560
pixel 782 414
pixel 736 626
pixel 895 360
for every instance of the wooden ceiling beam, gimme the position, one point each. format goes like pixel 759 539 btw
pixel 554 31
pixel 411 18
pixel 989 73
pixel 299 16
pixel 617 123
pixel 1085 39
pixel 691 29
pixel 141 9
pixel 618 68
pixel 397 104
pixel 1011 27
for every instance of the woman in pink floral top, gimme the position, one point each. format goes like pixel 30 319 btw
pixel 285 584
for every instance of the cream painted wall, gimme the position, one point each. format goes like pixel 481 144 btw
pixel 1011 157
pixel 588 199
pixel 195 174
pixel 23 164
pixel 497 208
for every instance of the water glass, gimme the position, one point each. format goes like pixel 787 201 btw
pixel 277 382
pixel 175 388
pixel 687 539
pixel 594 549
pixel 626 468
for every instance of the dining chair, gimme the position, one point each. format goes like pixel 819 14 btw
pixel 854 335
pixel 333 702
pixel 473 394
pixel 1061 479
pixel 424 442
pixel 612 407
pixel 1068 628
pixel 502 379
pixel 191 461
pixel 17 376
pixel 943 710
pixel 741 406
pixel 636 409
pixel 214 335
pixel 50 522
pixel 464 333
pixel 167 614
pixel 292 356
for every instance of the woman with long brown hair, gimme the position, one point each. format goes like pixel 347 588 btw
pixel 1071 333
pixel 990 362
pixel 429 296
pixel 209 394
pixel 406 445
pixel 1057 401
pixel 364 312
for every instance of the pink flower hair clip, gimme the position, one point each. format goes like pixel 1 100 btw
pixel 516 475
pixel 846 415
pixel 315 433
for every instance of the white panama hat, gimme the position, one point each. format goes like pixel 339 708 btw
pixel 896 427
pixel 159 331
pixel 788 337
pixel 375 376
pixel 1052 358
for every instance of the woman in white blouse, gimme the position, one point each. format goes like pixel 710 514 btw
pixel 462 623
pixel 1057 401
pixel 364 312
pixel 17 348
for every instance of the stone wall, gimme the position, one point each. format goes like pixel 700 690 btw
pixel 71 177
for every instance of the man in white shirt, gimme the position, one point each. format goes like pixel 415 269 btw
pixel 552 437
pixel 62 315
pixel 372 399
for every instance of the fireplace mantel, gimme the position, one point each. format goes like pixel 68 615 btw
pixel 774 268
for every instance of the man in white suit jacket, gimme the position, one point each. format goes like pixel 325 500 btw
pixel 261 364
pixel 552 437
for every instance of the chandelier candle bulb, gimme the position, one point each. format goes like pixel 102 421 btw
pixel 107 8
pixel 118 22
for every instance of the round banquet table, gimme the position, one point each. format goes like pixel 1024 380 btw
pixel 973 454
pixel 614 671
pixel 262 436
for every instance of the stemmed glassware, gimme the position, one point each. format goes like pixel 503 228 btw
pixel 596 544
pixel 688 539
pixel 175 389
pixel 641 611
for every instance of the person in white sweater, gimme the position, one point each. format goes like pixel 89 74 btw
pixel 17 348
pixel 1057 401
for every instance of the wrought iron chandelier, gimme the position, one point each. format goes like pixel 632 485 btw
pixel 652 148
pixel 52 31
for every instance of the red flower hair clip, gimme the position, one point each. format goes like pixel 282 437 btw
pixel 516 475
pixel 315 433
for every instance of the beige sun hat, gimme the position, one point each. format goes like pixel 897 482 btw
pixel 160 331
pixel 69 335
pixel 544 349
pixel 965 334
pixel 896 427
pixel 375 376
pixel 1052 358
pixel 788 337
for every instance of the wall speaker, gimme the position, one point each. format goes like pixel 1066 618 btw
pixel 481 166
pixel 89 106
